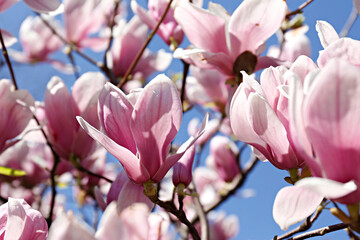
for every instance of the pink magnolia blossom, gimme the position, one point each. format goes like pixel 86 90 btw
pixel 127 43
pixel 84 18
pixel 259 117
pixel 42 6
pixel 19 221
pixel 169 29
pixel 38 42
pixel 182 172
pixel 219 44
pixel 295 203
pixel 223 157
pixel 139 133
pixel 61 110
pixel 208 88
pixel 15 112
pixel 324 127
pixel 296 44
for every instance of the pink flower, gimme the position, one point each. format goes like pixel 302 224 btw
pixel 19 221
pixel 61 110
pixel 15 112
pixel 42 6
pixel 127 44
pixel 38 42
pixel 223 155
pixel 84 18
pixel 182 172
pixel 220 44
pixel 259 117
pixel 324 116
pixel 139 133
pixel 169 29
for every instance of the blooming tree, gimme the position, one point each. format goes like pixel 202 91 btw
pixel 272 104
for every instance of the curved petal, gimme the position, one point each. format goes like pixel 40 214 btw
pixel 267 125
pixel 115 113
pixel 195 23
pixel 129 161
pixel 253 22
pixel 155 121
pixel 294 204
pixel 326 187
pixel 43 6
pixel 326 32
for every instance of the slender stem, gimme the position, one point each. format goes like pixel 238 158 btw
pixel 204 224
pixel 180 214
pixel 321 231
pixel 111 26
pixel 72 61
pixel 7 59
pixel 185 73
pixel 82 169
pixel 140 53
pixel 299 10
pixel 303 227
pixel 349 23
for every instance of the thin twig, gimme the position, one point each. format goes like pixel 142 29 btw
pixel 180 214
pixel 349 23
pixel 185 73
pixel 307 224
pixel 140 53
pixel 204 224
pixel 299 10
pixel 72 61
pixel 82 169
pixel 321 231
pixel 7 59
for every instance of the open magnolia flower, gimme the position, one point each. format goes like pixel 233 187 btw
pixel 139 128
pixel 223 39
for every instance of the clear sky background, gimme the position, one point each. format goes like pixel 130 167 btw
pixel 255 214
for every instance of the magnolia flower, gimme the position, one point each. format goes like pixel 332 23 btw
pixel 61 110
pixel 42 6
pixel 223 157
pixel 139 128
pixel 9 39
pixel 15 112
pixel 224 42
pixel 84 18
pixel 127 43
pixel 259 117
pixel 19 221
pixel 296 44
pixel 38 42
pixel 169 30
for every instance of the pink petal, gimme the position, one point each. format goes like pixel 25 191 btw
pixel 267 125
pixel 326 32
pixel 182 172
pixel 132 193
pixel 294 204
pixel 155 121
pixel 43 6
pixel 192 18
pixel 129 161
pixel 344 48
pixel 267 61
pixel 5 4
pixel 113 224
pixel 115 112
pixel 326 187
pixel 61 123
pixel 333 127
pixel 303 66
pixel 253 22
pixel 144 16
pixel 87 87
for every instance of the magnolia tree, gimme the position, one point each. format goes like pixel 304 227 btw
pixel 299 114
